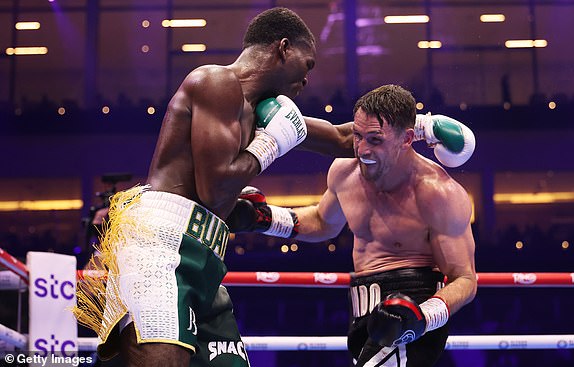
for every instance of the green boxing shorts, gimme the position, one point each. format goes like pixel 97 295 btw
pixel 164 259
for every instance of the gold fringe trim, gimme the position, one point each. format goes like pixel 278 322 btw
pixel 99 305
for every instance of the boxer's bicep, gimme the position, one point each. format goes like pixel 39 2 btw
pixel 453 248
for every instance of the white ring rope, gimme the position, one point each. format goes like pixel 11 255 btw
pixel 339 343
pixel 13 337
pixel 11 281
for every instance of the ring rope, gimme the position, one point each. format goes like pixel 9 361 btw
pixel 17 276
pixel 13 264
pixel 317 279
pixel 339 343
pixel 12 337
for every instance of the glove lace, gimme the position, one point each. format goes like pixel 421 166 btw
pixel 420 126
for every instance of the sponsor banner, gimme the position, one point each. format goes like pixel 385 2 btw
pixel 53 327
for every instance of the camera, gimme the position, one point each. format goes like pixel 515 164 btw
pixel 92 223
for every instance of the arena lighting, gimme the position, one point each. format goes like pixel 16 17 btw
pixel 293 200
pixel 193 47
pixel 406 19
pixel 40 205
pixel 534 198
pixel 25 26
pixel 429 44
pixel 492 18
pixel 183 23
pixel 525 43
pixel 26 51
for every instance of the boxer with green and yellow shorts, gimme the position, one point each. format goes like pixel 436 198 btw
pixel 164 256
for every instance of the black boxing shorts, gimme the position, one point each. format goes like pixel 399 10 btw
pixel 366 292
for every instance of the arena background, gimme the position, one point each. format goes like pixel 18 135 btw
pixel 88 108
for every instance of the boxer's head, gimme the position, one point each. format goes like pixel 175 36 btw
pixel 383 129
pixel 280 37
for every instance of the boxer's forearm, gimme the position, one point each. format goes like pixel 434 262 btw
pixel 328 139
pixel 312 228
pixel 459 292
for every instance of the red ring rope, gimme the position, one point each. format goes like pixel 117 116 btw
pixel 334 280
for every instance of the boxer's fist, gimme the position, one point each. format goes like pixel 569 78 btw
pixel 280 128
pixel 280 118
pixel 454 141
pixel 396 320
pixel 252 214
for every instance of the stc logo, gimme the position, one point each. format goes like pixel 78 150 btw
pixel 65 348
pixel 54 288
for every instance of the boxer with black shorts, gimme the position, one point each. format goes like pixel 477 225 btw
pixel 411 227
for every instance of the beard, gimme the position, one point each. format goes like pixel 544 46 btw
pixel 370 172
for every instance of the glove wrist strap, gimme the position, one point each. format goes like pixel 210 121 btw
pixel 281 222
pixel 424 129
pixel 436 312
pixel 264 147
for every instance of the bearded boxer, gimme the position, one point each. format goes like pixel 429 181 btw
pixel 411 226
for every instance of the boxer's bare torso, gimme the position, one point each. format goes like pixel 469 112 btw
pixel 190 127
pixel 391 228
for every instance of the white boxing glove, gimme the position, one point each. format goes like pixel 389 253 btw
pixel 453 141
pixel 281 127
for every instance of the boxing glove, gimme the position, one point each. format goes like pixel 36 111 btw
pixel 399 319
pixel 252 214
pixel 280 128
pixel 454 141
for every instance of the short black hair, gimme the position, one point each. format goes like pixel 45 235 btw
pixel 393 102
pixel 275 24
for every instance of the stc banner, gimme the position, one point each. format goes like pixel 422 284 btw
pixel 53 327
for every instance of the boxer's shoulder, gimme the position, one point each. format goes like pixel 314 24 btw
pixel 342 171
pixel 442 201
pixel 214 87
pixel 212 78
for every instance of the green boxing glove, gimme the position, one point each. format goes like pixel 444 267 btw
pixel 453 142
pixel 280 128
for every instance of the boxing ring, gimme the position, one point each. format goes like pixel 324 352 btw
pixel 17 277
